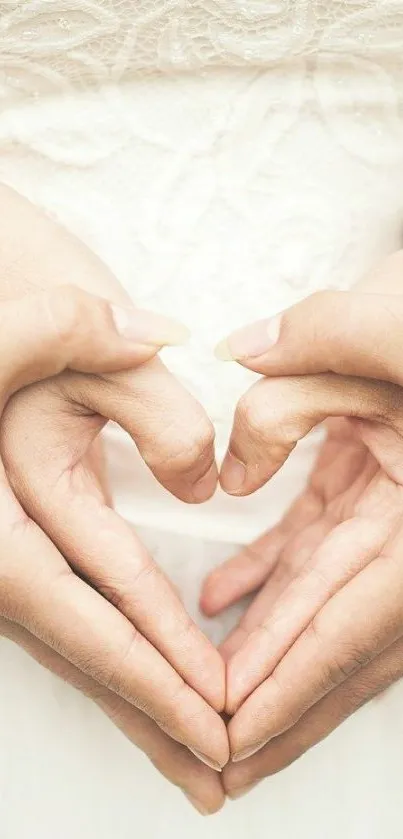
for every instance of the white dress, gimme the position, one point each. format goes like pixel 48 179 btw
pixel 224 157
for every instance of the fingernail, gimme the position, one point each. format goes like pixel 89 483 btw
pixel 243 755
pixel 143 327
pixel 197 804
pixel 251 341
pixel 204 488
pixel 223 352
pixel 233 474
pixel 238 793
pixel 207 760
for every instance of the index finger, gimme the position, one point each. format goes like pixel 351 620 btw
pixel 62 497
pixel 168 425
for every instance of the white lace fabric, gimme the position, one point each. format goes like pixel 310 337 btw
pixel 53 43
pixel 224 157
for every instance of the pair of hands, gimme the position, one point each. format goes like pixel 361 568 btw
pixel 84 608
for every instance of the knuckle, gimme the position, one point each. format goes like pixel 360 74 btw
pixel 189 451
pixel 8 628
pixel 296 403
pixel 120 592
pixel 185 631
pixel 73 310
pixel 286 713
pixel 290 718
pixel 273 410
pixel 255 555
pixel 318 577
pixel 66 310
pixel 114 677
pixel 291 431
pixel 250 414
pixel 338 668
pixel 333 672
pixel 316 633
pixel 319 309
pixel 8 606
pixel 351 700
pixel 201 445
pixel 387 405
pixel 170 721
pixel 340 661
pixel 112 704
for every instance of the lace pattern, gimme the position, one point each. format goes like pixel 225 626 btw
pixel 53 44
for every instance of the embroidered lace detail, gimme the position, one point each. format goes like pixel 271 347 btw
pixel 54 44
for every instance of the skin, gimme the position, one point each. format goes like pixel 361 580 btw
pixel 91 604
pixel 84 610
pixel 325 631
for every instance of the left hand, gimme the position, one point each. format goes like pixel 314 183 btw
pixel 134 640
pixel 326 632
pixel 44 607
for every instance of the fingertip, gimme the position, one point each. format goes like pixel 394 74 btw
pixel 203 786
pixel 220 755
pixel 213 597
pixel 218 806
pixel 196 804
pixel 207 605
pixel 190 493
pixel 248 344
pixel 144 327
pixel 240 777
pixel 202 808
pixel 232 475
pixel 206 486
pixel 241 479
pixel 239 736
pixel 239 792
pixel 222 351
pixel 213 802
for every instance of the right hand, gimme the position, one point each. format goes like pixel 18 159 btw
pixel 140 650
pixel 325 633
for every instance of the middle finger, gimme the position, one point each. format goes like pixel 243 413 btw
pixel 66 614
pixel 355 626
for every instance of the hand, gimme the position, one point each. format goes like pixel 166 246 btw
pixel 326 632
pixel 140 648
pixel 40 597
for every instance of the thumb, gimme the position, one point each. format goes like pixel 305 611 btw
pixel 45 333
pixel 348 333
